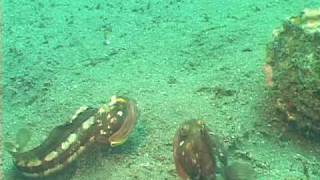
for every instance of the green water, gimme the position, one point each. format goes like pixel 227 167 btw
pixel 179 59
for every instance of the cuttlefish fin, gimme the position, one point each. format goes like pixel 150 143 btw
pixel 219 148
pixel 240 170
pixel 10 147
pixel 22 138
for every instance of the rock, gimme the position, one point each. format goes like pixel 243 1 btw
pixel 294 77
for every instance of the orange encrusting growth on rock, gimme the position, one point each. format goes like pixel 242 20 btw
pixel 268 73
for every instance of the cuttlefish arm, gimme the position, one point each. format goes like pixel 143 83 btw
pixel 122 134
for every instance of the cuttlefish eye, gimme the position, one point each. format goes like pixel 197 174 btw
pixel 201 127
pixel 184 131
pixel 201 123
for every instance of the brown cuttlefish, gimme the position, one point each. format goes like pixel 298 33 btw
pixel 200 155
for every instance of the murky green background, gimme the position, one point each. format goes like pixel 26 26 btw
pixel 179 59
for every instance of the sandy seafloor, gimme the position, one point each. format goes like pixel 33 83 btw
pixel 179 59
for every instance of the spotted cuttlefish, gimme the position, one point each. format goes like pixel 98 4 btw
pixel 109 125
pixel 197 154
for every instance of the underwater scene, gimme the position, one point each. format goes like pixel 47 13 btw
pixel 160 90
